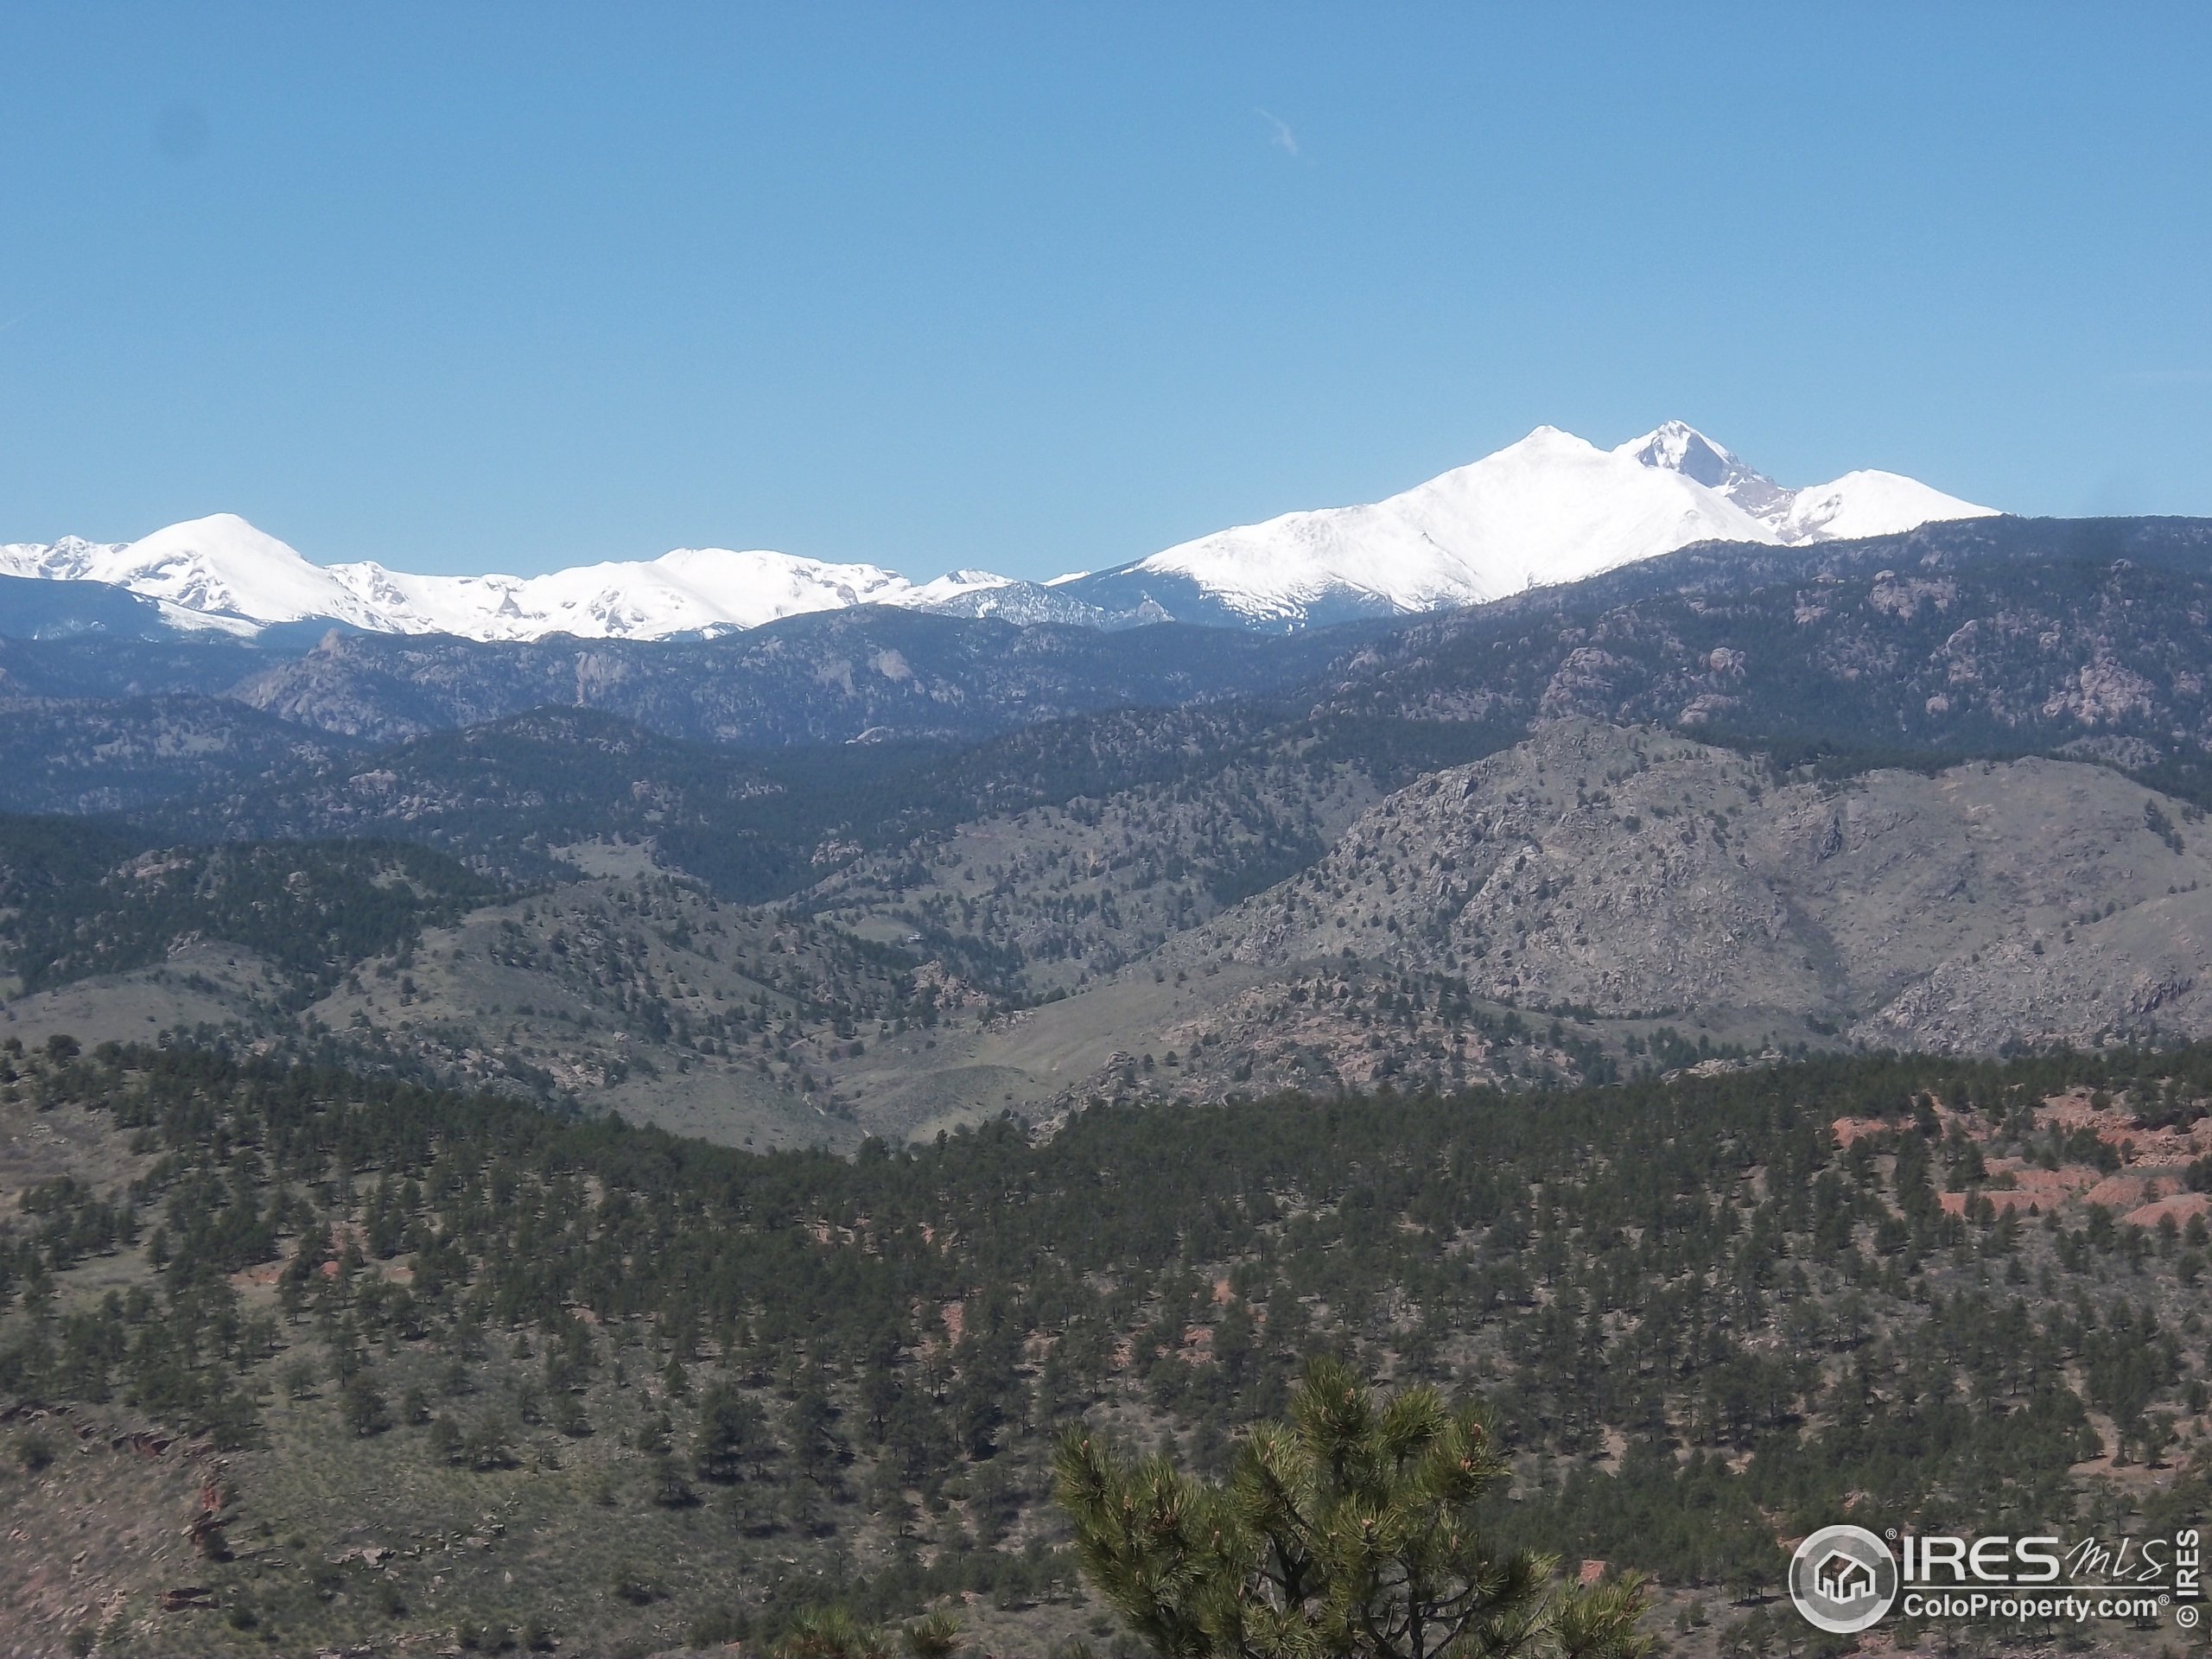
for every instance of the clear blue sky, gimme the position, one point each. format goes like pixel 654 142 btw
pixel 1039 287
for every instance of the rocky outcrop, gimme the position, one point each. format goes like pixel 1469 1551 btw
pixel 1633 874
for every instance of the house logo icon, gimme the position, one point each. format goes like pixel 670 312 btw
pixel 1843 1580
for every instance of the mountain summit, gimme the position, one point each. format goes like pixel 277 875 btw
pixel 1677 446
pixel 1858 503
pixel 1551 508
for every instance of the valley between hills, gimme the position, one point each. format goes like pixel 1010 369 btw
pixel 1726 805
pixel 600 1146
pixel 1591 899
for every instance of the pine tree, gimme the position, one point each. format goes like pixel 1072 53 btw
pixel 363 1405
pixel 832 1633
pixel 1349 1532
pixel 732 1433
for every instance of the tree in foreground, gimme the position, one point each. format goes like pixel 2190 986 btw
pixel 1347 1533
pixel 833 1633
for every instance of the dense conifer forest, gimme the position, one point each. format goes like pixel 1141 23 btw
pixel 83 899
pixel 421 1361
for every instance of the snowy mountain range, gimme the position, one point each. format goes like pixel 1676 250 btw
pixel 222 572
pixel 1551 508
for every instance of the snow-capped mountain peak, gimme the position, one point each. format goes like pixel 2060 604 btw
pixel 688 590
pixel 1858 503
pixel 225 565
pixel 1551 508
pixel 1869 503
pixel 218 566
pixel 954 584
pixel 1678 446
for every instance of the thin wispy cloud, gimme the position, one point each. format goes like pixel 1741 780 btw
pixel 1280 134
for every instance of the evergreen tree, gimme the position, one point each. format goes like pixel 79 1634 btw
pixel 732 1434
pixel 1349 1532
pixel 363 1404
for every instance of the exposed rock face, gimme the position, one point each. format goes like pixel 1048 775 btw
pixel 1632 872
pixel 1993 635
pixel 2141 973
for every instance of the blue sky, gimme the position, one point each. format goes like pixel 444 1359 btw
pixel 1039 287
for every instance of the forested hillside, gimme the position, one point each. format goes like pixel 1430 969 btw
pixel 1497 1000
pixel 414 1362
pixel 825 677
pixel 81 900
pixel 1169 905
pixel 1995 637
